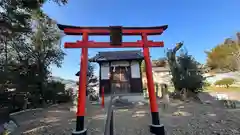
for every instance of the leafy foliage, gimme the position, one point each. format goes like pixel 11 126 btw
pixel 43 49
pixel 92 80
pixel 15 16
pixel 225 57
pixel 185 72
pixel 30 45
pixel 190 76
pixel 225 81
pixel 206 84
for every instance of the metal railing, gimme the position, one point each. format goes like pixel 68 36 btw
pixel 109 125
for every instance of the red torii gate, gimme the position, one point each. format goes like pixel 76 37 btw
pixel 115 33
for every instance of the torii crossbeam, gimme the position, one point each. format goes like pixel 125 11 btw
pixel 115 33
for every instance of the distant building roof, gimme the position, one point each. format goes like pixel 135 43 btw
pixel 118 55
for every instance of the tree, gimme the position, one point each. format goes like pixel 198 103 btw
pixel 44 49
pixel 9 64
pixel 15 16
pixel 221 57
pixel 225 57
pixel 171 58
pixel 190 75
pixel 56 92
pixel 92 80
pixel 29 44
pixel 186 76
pixel 30 56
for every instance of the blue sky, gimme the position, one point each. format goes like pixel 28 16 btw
pixel 201 24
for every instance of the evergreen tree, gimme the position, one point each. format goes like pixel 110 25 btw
pixel 92 80
pixel 190 74
pixel 186 75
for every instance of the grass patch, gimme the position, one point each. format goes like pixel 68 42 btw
pixel 221 89
pixel 171 89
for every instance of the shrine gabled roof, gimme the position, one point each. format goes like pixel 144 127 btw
pixel 118 55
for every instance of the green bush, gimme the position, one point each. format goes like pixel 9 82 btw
pixel 56 93
pixel 63 98
pixel 206 84
pixel 225 81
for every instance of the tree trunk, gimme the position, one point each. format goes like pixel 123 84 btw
pixel 41 80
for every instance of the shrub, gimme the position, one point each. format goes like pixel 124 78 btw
pixel 63 98
pixel 56 92
pixel 93 97
pixel 206 84
pixel 225 81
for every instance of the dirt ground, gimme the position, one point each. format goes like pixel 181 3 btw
pixel 180 118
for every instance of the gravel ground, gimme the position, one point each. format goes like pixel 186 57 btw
pixel 179 119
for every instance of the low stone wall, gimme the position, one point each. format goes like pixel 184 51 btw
pixel 219 76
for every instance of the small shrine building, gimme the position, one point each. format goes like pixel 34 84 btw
pixel 120 71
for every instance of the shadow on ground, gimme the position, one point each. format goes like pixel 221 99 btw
pixel 48 121
pixel 179 118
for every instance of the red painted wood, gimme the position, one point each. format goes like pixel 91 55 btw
pixel 150 83
pixel 79 31
pixel 92 44
pixel 83 80
pixel 102 97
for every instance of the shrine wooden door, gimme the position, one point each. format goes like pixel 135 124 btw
pixel 120 80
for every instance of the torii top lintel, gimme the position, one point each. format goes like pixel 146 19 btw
pixel 116 39
pixel 77 30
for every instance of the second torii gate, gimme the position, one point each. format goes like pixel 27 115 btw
pixel 116 33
